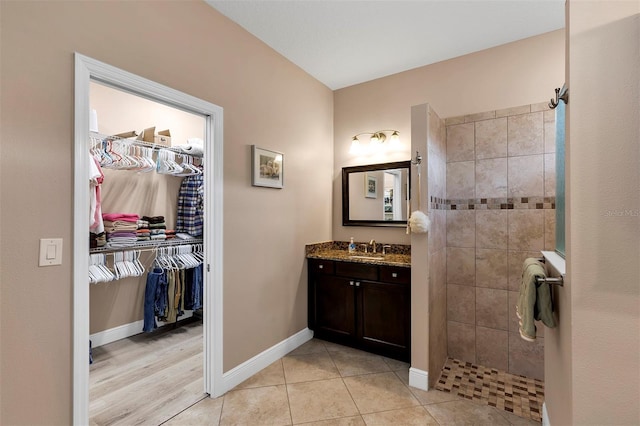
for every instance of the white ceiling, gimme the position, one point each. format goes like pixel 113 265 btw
pixel 346 42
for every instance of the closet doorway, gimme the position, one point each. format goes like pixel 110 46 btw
pixel 93 77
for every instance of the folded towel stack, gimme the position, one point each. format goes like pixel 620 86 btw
pixel 534 300
pixel 194 146
pixel 121 228
pixel 143 233
pixel 157 227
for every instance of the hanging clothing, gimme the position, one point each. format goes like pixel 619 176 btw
pixel 96 177
pixel 169 292
pixel 190 218
pixel 155 279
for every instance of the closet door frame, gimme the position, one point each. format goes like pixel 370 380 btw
pixel 87 70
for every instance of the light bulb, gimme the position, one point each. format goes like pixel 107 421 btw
pixel 355 146
pixel 395 138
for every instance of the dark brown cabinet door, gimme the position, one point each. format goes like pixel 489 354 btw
pixel 363 306
pixel 334 307
pixel 384 317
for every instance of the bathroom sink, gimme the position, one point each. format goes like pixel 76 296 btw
pixel 366 257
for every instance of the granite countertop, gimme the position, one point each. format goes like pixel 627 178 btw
pixel 397 256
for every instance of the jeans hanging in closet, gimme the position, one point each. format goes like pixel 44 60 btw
pixel 197 287
pixel 156 286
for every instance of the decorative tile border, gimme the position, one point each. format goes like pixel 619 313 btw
pixel 515 394
pixel 437 203
pixel 509 203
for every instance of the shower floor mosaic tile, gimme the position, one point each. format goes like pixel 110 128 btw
pixel 519 395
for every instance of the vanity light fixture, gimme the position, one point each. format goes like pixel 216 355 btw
pixel 376 140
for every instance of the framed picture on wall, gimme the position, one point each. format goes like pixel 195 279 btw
pixel 267 168
pixel 370 186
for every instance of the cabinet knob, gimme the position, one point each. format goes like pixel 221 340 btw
pixel 357 284
pixel 394 274
pixel 320 266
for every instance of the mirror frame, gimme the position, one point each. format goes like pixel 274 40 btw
pixel 370 168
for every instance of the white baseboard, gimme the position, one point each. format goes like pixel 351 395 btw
pixel 123 331
pixel 242 372
pixel 545 415
pixel 419 379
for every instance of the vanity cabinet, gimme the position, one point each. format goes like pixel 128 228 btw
pixel 365 306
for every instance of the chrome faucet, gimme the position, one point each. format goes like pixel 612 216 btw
pixel 384 249
pixel 373 243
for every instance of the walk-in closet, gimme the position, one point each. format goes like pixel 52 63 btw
pixel 146 261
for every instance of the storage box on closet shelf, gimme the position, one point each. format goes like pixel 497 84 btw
pixel 194 146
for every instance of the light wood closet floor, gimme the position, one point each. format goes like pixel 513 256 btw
pixel 147 378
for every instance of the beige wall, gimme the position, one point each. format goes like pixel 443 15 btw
pixel 119 111
pixel 598 381
pixel 517 73
pixel 188 46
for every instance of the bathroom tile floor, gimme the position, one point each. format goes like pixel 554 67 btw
pixel 509 392
pixel 321 383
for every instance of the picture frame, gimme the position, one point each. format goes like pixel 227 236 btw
pixel 370 186
pixel 267 168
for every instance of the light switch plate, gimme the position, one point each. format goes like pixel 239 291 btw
pixel 50 251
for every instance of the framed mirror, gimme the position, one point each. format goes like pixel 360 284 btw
pixel 376 194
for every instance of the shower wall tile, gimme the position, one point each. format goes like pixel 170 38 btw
pixel 526 230
pixel 438 230
pixel 461 266
pixel 549 130
pixel 491 229
pixel 479 116
pixel 491 308
pixel 550 230
pixel 460 143
pixel 524 109
pixel 438 280
pixel 550 175
pixel 526 176
pixel 525 134
pixel 437 168
pixel 492 268
pixel 515 259
pixel 526 358
pixel 504 186
pixel 461 182
pixel 461 341
pixel 461 302
pixel 491 178
pixel 461 228
pixel 454 120
pixel 541 106
pixel 491 138
pixel 492 348
pixel 436 180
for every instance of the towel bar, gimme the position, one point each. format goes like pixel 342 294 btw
pixel 559 281
pixel 555 281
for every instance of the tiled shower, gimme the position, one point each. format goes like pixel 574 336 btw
pixel 500 209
